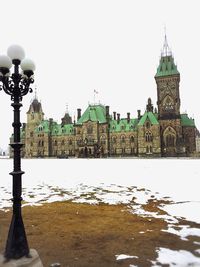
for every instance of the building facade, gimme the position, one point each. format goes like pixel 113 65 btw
pixel 161 131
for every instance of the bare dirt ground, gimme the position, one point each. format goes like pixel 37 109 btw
pixel 83 235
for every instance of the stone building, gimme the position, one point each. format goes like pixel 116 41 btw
pixel 160 131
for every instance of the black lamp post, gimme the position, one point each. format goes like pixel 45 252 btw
pixel 16 85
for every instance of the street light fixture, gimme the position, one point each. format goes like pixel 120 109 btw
pixel 16 85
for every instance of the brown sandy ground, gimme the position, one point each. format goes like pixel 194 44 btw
pixel 83 235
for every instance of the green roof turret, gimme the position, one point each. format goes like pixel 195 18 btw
pixel 166 66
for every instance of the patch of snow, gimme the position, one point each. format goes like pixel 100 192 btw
pixel 184 231
pixel 88 201
pixel 196 243
pixel 187 210
pixel 143 213
pixel 180 258
pixel 124 257
pixel 118 184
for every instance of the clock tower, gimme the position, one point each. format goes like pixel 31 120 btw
pixel 168 100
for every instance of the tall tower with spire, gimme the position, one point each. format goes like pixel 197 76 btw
pixel 167 79
pixel 34 117
pixel 168 100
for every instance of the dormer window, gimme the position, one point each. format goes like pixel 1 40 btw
pixel 122 127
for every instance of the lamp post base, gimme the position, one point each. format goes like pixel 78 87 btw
pixel 32 261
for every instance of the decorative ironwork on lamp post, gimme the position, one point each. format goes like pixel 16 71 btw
pixel 16 85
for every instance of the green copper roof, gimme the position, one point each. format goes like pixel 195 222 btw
pixel 166 67
pixel 56 129
pixel 93 113
pixel 43 127
pixel 186 121
pixel 148 115
pixel 123 125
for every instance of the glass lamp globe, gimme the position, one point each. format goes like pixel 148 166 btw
pixel 27 64
pixel 5 62
pixel 16 52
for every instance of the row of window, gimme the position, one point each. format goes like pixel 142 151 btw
pixel 123 139
pixel 123 127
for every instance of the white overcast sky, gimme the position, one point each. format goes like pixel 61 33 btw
pixel 109 45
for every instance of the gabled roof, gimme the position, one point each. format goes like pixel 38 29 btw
pixel 123 125
pixel 166 67
pixel 95 113
pixel 148 115
pixel 186 121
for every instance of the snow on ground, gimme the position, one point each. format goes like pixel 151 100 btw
pixel 114 180
pixel 179 258
pixel 123 257
pixel 134 182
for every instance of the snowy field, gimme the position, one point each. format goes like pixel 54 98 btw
pixel 113 181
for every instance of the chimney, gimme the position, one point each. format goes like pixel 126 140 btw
pixel 78 113
pixel 107 112
pixel 128 117
pixel 118 117
pixel 114 115
pixel 139 114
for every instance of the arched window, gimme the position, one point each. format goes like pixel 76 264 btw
pixel 90 129
pixel 70 142
pixel 55 142
pixel 103 140
pixel 148 137
pixel 123 140
pixel 63 142
pixel 168 103
pixel 114 140
pixel 132 139
pixel 169 136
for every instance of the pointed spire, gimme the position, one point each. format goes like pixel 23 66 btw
pixel 166 51
pixel 35 93
pixel 67 108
